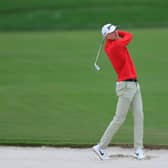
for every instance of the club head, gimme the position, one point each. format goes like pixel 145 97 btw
pixel 97 67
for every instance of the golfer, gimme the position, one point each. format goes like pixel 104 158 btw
pixel 127 90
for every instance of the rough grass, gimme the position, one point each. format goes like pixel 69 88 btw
pixel 74 14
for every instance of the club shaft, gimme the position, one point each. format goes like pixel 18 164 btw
pixel 99 51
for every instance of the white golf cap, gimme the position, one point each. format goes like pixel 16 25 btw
pixel 108 28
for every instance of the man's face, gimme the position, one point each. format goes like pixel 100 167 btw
pixel 112 36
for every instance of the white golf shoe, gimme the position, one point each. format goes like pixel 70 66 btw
pixel 100 152
pixel 139 154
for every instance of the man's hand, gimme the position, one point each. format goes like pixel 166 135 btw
pixel 117 35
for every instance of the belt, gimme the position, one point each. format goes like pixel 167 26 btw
pixel 131 80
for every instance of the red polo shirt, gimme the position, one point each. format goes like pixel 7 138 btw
pixel 119 56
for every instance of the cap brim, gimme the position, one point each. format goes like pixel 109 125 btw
pixel 113 29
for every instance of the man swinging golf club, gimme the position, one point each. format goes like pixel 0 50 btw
pixel 127 90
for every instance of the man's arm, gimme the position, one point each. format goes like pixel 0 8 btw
pixel 124 38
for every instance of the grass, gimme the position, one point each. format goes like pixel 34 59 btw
pixel 24 4
pixel 74 14
pixel 50 93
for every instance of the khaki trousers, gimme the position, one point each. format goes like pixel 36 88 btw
pixel 129 97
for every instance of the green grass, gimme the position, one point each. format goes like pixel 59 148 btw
pixel 51 94
pixel 25 4
pixel 77 14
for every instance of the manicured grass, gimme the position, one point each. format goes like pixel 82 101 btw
pixel 51 94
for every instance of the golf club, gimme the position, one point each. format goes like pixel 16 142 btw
pixel 98 55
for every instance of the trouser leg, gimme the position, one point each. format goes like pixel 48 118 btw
pixel 121 113
pixel 137 109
